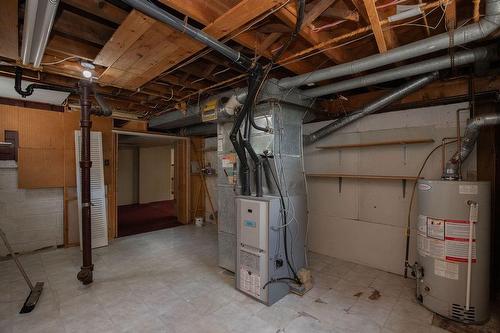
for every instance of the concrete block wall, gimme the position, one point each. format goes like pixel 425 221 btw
pixel 365 221
pixel 31 218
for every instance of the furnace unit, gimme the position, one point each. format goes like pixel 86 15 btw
pixel 260 254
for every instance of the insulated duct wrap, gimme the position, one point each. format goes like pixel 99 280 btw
pixel 467 145
pixel 375 106
pixel 459 59
pixel 469 33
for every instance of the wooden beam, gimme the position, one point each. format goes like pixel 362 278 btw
pixel 133 27
pixel 450 14
pixel 375 23
pixel 197 9
pixel 8 30
pixel 236 17
pixel 75 25
pixel 318 9
pixel 72 48
pixel 288 15
pixel 359 5
pixel 102 9
pixel 341 11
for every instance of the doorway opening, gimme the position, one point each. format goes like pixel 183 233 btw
pixel 145 183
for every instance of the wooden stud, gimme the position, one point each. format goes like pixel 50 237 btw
pixel 375 23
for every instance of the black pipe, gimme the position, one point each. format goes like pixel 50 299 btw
pixel 30 88
pixel 161 15
pixel 255 77
pixel 85 275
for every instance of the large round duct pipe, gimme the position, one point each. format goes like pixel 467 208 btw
pixel 467 145
pixel 375 106
pixel 435 64
pixel 469 33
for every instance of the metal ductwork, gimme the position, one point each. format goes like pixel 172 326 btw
pixel 375 106
pixel 38 19
pixel 206 129
pixel 192 114
pixel 104 109
pixel 469 33
pixel 435 64
pixel 467 144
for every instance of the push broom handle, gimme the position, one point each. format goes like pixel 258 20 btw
pixel 18 263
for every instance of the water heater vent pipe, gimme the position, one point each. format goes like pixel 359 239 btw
pixel 468 143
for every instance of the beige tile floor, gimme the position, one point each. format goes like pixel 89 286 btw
pixel 169 281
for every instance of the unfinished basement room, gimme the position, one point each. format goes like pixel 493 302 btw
pixel 250 166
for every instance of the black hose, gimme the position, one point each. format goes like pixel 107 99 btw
pixel 255 78
pixel 284 222
pixel 31 88
pixel 301 5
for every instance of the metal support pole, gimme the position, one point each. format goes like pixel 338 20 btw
pixel 85 274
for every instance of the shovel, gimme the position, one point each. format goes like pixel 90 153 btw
pixel 35 291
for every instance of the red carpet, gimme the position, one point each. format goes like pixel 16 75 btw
pixel 139 218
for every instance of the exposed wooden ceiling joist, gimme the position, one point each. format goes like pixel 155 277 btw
pixel 197 10
pixel 376 26
pixel 100 8
pixel 157 56
pixel 289 16
pixel 8 29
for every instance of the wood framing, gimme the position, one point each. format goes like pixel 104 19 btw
pixel 9 30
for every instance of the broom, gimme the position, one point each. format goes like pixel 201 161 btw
pixel 35 291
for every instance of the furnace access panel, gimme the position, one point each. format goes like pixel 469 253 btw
pixel 259 249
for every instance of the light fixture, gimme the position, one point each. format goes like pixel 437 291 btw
pixel 39 17
pixel 87 69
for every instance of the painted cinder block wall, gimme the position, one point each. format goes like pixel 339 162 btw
pixel 365 221
pixel 31 218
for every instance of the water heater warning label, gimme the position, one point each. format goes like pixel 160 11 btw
pixel 445 240
pixel 445 269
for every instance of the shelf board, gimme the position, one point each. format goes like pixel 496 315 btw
pixel 344 175
pixel 380 143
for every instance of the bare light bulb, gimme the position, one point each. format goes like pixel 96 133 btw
pixel 87 74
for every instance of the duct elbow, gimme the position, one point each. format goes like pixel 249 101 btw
pixel 451 171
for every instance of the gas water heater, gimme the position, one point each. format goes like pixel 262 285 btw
pixel 453 243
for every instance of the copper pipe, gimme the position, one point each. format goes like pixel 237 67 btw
pixel 85 275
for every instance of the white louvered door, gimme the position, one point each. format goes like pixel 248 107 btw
pixel 98 211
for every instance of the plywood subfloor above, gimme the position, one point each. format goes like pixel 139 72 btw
pixel 140 49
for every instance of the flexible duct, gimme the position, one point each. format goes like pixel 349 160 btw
pixel 380 103
pixel 459 58
pixel 157 13
pixel 488 24
pixel 467 145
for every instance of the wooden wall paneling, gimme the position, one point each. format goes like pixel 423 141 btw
pixel 40 129
pixel 9 30
pixel 182 180
pixel 9 119
pixel 135 125
pixel 40 167
pixel 197 190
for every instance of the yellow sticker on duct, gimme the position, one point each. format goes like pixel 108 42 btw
pixel 209 111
